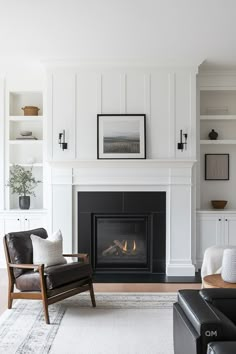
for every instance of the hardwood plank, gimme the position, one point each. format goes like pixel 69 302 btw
pixel 106 287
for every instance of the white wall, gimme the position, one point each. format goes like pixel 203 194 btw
pixel 166 96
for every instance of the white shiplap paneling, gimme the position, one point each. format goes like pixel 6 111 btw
pixel 63 113
pixel 88 104
pixel 111 92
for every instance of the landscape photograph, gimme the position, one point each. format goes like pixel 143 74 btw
pixel 121 137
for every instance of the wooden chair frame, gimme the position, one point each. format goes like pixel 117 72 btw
pixel 85 284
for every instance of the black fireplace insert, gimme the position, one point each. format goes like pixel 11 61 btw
pixel 121 242
pixel 123 232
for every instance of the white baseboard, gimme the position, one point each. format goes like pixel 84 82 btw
pixel 180 270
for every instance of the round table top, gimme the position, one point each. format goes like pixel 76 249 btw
pixel 215 281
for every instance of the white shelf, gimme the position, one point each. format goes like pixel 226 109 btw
pixel 218 117
pixel 27 164
pixel 25 142
pixel 218 88
pixel 25 118
pixel 23 211
pixel 216 211
pixel 218 142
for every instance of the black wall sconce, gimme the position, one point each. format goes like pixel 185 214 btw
pixel 62 140
pixel 182 144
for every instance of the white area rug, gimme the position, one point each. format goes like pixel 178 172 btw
pixel 122 323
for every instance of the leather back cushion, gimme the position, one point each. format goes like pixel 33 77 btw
pixel 223 299
pixel 20 247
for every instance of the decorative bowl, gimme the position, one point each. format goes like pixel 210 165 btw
pixel 219 204
pixel 25 133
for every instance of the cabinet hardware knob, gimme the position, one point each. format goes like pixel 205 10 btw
pixel 226 219
pixel 219 219
pixel 26 219
pixel 18 219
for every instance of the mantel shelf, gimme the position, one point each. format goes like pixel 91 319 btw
pixel 135 163
pixel 218 142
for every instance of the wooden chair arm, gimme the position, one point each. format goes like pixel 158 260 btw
pixel 83 256
pixel 26 266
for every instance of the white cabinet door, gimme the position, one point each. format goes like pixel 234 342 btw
pixel 209 233
pixel 33 222
pixel 230 229
pixel 13 224
pixel 2 255
pixel 63 114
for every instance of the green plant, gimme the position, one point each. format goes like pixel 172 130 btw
pixel 22 181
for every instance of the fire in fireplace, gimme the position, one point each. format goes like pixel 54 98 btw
pixel 121 249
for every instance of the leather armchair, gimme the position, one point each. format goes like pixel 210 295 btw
pixel 205 322
pixel 49 284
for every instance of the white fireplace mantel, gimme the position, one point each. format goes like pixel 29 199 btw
pixel 172 176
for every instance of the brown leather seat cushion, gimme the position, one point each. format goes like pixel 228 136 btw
pixel 56 276
pixel 20 247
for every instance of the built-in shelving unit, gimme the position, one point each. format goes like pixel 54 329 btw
pixel 218 112
pixel 26 151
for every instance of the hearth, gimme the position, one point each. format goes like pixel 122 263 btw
pixel 123 232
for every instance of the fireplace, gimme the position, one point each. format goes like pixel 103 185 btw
pixel 121 242
pixel 123 232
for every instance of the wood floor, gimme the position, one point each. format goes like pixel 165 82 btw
pixel 107 287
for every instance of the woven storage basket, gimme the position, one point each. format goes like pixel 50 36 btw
pixel 30 110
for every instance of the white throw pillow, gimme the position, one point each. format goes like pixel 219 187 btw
pixel 48 251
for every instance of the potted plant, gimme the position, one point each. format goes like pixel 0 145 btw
pixel 23 183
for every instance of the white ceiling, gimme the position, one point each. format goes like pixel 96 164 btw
pixel 154 31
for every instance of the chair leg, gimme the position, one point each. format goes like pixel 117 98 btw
pixel 45 309
pixel 10 291
pixel 92 294
pixel 44 293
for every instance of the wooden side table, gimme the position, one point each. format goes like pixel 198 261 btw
pixel 215 281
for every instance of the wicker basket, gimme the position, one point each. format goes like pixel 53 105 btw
pixel 30 110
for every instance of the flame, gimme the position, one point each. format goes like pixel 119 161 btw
pixel 134 246
pixel 125 247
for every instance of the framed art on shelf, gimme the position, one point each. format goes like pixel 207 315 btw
pixel 121 136
pixel 217 167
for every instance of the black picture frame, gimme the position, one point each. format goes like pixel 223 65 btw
pixel 216 167
pixel 121 136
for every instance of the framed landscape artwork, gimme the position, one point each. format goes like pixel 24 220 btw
pixel 121 136
pixel 217 167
